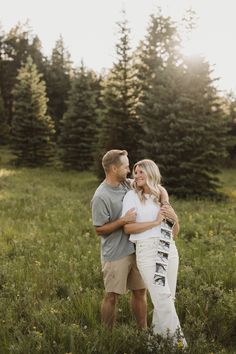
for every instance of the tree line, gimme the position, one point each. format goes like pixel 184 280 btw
pixel 154 102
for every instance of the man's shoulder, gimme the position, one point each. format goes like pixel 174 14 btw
pixel 104 192
pixel 100 191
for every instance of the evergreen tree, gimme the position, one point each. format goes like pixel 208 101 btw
pixel 231 113
pixel 198 134
pixel 120 127
pixel 4 127
pixel 159 73
pixel 78 131
pixel 58 79
pixel 181 115
pixel 15 47
pixel 32 128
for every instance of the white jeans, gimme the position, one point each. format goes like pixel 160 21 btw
pixel 165 319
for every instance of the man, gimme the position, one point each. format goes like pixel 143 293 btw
pixel 117 252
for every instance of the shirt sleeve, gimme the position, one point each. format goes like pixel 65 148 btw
pixel 100 212
pixel 128 202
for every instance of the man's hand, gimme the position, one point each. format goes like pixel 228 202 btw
pixel 130 216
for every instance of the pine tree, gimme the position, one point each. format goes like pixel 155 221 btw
pixel 181 114
pixel 120 126
pixel 78 130
pixel 58 80
pixel 231 113
pixel 158 74
pixel 4 127
pixel 32 128
pixel 198 134
pixel 15 47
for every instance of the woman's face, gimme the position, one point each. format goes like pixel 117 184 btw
pixel 140 177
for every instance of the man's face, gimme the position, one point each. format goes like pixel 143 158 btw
pixel 123 169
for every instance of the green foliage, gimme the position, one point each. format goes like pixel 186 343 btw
pixel 155 104
pixel 198 134
pixel 78 131
pixel 178 104
pixel 15 46
pixel 50 276
pixel 32 128
pixel 58 82
pixel 231 113
pixel 4 127
pixel 120 127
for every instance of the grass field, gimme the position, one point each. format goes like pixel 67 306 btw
pixel 50 279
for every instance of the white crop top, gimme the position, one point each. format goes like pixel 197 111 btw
pixel 146 211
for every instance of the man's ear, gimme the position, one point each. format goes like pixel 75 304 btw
pixel 114 168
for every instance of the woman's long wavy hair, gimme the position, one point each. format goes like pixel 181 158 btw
pixel 153 175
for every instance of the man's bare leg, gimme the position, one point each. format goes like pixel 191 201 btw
pixel 108 310
pixel 139 307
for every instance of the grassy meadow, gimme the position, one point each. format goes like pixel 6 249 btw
pixel 50 279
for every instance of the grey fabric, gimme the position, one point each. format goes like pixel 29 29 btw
pixel 107 207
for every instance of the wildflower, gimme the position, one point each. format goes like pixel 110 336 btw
pixel 180 344
pixel 52 310
pixel 39 334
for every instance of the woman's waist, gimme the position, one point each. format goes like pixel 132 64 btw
pixel 152 233
pixel 152 241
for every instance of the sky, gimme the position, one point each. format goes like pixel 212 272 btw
pixel 89 29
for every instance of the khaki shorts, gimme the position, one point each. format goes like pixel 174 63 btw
pixel 121 275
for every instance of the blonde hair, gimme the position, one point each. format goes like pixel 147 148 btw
pixel 153 175
pixel 112 157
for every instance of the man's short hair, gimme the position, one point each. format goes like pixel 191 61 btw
pixel 112 157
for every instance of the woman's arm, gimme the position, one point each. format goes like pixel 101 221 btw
pixel 164 195
pixel 169 213
pixel 175 230
pixel 137 227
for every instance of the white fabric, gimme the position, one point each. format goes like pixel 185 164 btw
pixel 165 318
pixel 145 212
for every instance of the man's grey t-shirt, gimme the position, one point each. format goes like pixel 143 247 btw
pixel 107 207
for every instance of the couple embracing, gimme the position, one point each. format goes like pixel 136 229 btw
pixel 137 226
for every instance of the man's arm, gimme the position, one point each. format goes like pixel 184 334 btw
pixel 169 211
pixel 112 226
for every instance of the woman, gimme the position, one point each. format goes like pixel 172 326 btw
pixel 156 253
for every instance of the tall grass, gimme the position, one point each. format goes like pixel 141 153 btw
pixel 50 279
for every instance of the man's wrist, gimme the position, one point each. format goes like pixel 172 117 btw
pixel 122 221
